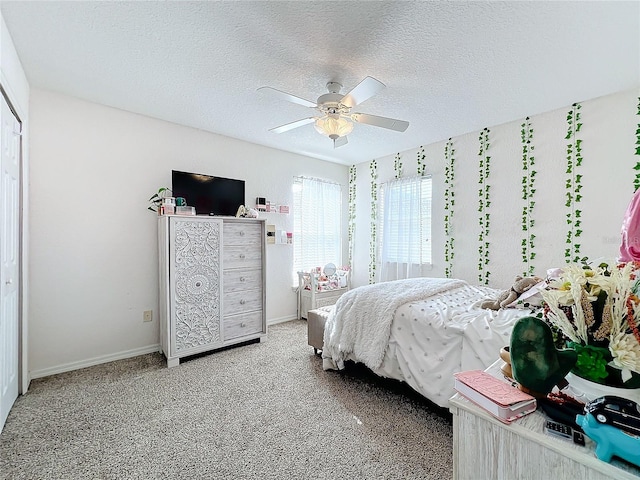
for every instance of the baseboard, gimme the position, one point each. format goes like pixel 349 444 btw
pixel 288 318
pixel 90 362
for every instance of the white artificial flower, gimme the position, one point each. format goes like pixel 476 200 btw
pixel 558 318
pixel 560 293
pixel 576 274
pixel 598 282
pixel 625 350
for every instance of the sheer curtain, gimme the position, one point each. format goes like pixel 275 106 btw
pixel 317 227
pixel 405 228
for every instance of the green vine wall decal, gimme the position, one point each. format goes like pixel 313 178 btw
pixel 573 184
pixel 373 168
pixel 484 202
pixel 352 212
pixel 528 192
pixel 636 181
pixel 449 203
pixel 397 165
pixel 421 161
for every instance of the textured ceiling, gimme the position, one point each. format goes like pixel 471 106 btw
pixel 449 67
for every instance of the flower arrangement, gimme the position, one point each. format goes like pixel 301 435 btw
pixel 596 311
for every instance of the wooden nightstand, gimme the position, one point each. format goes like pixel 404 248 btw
pixel 484 447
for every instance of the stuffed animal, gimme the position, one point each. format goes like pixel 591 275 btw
pixel 520 286
pixel 245 212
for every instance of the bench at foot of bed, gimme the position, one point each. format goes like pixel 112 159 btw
pixel 316 320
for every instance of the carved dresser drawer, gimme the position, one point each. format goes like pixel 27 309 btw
pixel 242 325
pixel 248 235
pixel 243 301
pixel 236 256
pixel 241 279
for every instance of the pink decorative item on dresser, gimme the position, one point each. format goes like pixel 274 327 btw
pixel 630 246
pixel 501 399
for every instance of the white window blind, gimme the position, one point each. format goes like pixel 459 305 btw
pixel 405 228
pixel 317 228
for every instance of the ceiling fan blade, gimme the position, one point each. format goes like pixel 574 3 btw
pixel 384 122
pixel 340 141
pixel 367 88
pixel 288 97
pixel 290 126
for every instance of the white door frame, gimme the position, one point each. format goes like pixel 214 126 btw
pixel 20 344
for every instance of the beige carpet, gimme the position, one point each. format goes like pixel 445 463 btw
pixel 264 410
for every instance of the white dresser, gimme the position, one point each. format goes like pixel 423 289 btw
pixel 485 448
pixel 212 283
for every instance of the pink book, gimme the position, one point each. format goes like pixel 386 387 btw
pixel 498 397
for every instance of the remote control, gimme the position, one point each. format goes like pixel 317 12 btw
pixel 564 431
pixel 558 429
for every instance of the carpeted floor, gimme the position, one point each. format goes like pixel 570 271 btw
pixel 260 411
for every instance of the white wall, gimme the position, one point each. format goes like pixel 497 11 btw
pixel 93 243
pixel 608 140
pixel 94 247
pixel 14 83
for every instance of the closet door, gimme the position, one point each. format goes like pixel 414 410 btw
pixel 9 258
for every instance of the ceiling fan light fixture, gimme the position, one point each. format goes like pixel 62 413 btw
pixel 335 119
pixel 333 127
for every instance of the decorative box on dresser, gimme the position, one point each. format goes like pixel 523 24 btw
pixel 212 283
pixel 484 447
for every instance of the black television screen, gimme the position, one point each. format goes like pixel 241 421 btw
pixel 209 195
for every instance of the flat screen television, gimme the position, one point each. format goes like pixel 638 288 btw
pixel 209 195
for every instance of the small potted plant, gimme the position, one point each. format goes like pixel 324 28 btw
pixel 157 199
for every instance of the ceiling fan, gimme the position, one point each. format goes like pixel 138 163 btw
pixel 335 116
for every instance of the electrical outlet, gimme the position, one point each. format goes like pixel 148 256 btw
pixel 147 316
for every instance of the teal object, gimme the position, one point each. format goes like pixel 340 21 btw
pixel 535 361
pixel 610 440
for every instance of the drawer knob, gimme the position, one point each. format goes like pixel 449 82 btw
pixel 243 324
pixel 241 233
pixel 242 279
pixel 243 301
pixel 242 256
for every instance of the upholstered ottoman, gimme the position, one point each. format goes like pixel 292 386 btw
pixel 316 320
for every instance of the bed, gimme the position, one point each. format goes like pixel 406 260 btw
pixel 419 331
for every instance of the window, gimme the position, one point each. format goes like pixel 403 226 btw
pixel 317 224
pixel 405 228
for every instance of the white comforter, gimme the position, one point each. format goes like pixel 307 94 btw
pixel 361 322
pixel 429 338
